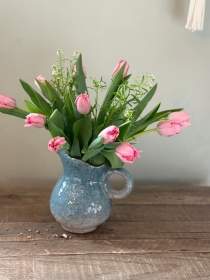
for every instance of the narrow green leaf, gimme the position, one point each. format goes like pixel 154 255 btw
pixel 71 108
pixel 97 143
pixel 32 108
pixel 91 153
pixel 143 103
pixel 113 87
pixel 80 76
pixel 57 105
pixel 55 131
pixel 112 145
pixel 75 149
pixel 169 111
pixel 97 160
pixel 57 119
pixel 135 126
pixel 65 147
pixel 53 94
pixel 123 130
pixel 115 117
pixel 17 112
pixel 143 126
pixel 43 89
pixel 68 126
pixel 37 99
pixel 114 160
pixel 82 130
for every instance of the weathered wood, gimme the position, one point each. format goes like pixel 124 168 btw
pixel 80 247
pixel 161 266
pixel 158 232
pixel 108 230
pixel 120 213
pixel 146 195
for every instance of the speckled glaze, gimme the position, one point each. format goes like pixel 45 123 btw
pixel 82 198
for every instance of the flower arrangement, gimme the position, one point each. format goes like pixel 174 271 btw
pixel 96 134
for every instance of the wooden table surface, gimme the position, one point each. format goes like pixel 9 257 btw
pixel 157 232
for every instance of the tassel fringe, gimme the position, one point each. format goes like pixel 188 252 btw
pixel 196 13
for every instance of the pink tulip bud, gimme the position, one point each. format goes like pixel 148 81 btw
pixel 36 120
pixel 42 80
pixel 7 102
pixel 56 143
pixel 119 65
pixel 181 117
pixel 109 134
pixel 75 69
pixel 83 103
pixel 169 128
pixel 126 152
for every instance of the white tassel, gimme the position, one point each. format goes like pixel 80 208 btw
pixel 196 15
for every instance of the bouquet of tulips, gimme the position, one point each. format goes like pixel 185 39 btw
pixel 97 134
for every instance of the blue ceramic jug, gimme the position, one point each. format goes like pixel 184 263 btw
pixel 82 198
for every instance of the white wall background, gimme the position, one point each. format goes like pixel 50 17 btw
pixel 150 35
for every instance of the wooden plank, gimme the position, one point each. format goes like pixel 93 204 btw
pixel 80 247
pixel 166 197
pixel 161 266
pixel 108 230
pixel 158 213
pixel 146 195
pixel 120 213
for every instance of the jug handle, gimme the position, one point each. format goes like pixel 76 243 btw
pixel 116 194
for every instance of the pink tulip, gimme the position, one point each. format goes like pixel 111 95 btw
pixel 83 103
pixel 181 117
pixel 119 65
pixel 75 69
pixel 169 128
pixel 126 152
pixel 36 120
pixel 109 134
pixel 7 102
pixel 56 143
pixel 42 80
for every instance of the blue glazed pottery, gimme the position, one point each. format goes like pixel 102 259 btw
pixel 82 198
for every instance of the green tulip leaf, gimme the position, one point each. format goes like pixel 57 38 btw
pixel 113 159
pixel 65 147
pixel 83 130
pixel 57 105
pixel 97 160
pixel 55 131
pixel 113 87
pixel 91 153
pixel 68 126
pixel 75 149
pixel 17 112
pixel 53 94
pixel 123 130
pixel 97 143
pixel 143 103
pixel 32 108
pixel 135 126
pixel 37 99
pixel 79 77
pixel 57 119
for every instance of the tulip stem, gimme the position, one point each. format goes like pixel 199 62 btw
pixel 142 133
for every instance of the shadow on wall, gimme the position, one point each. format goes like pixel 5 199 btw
pixel 179 9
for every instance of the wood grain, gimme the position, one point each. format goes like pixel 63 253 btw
pixel 163 266
pixel 158 232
